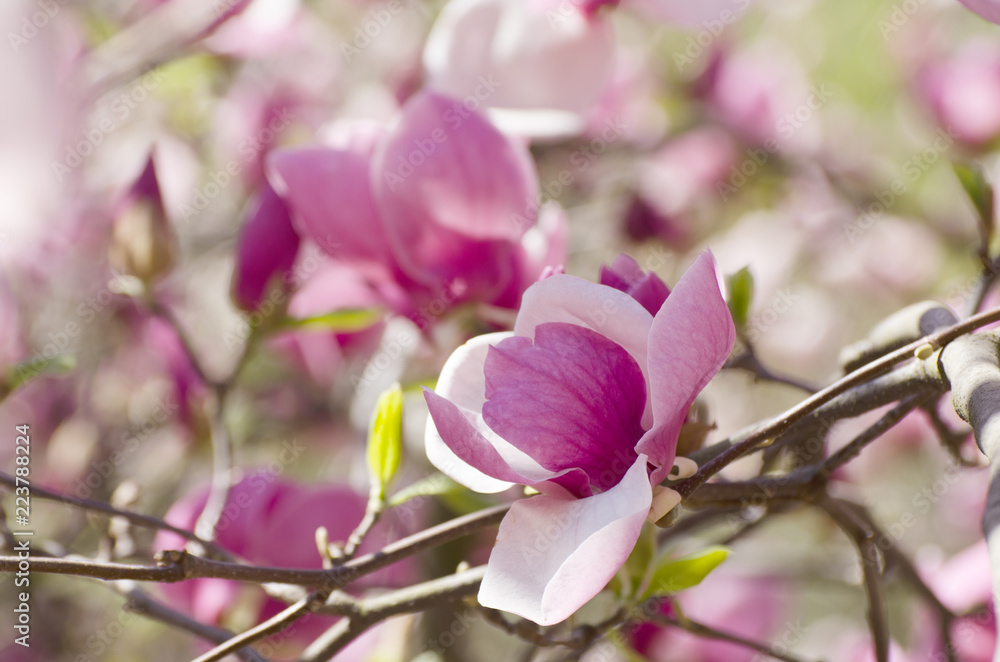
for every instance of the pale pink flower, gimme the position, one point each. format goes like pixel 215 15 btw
pixel 583 401
pixel 963 91
pixel 538 65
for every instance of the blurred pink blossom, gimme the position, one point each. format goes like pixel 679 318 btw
pixel 437 209
pixel 538 65
pixel 963 91
pixel 272 522
pixel 988 9
pixel 746 606
pixel 266 249
pixel 583 401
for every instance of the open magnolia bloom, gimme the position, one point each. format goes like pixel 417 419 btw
pixel 583 401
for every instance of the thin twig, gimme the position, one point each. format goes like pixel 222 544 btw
pixel 870 434
pixel 863 537
pixel 707 631
pixel 987 276
pixel 142 604
pixel 371 611
pixel 138 519
pixel 273 625
pixel 778 425
pixel 176 566
pixel 747 360
pixel 896 559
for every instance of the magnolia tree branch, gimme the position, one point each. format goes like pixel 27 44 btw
pixel 142 604
pixel 765 434
pixel 138 519
pixel 709 632
pixel 371 611
pixel 973 366
pixel 863 537
pixel 215 405
pixel 175 566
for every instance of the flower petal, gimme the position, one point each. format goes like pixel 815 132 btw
pixel 988 9
pixel 610 312
pixel 553 555
pixel 542 65
pixel 267 248
pixel 626 275
pixel 691 338
pixel 329 192
pixel 573 398
pixel 462 384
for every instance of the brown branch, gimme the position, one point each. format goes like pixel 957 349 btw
pixel 747 360
pixel 770 430
pixel 273 625
pixel 175 566
pixel 138 519
pixel 868 552
pixel 142 604
pixel 702 630
pixel 374 610
pixel 870 434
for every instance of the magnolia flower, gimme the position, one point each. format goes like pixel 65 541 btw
pixel 583 401
pixel 266 249
pixel 745 606
pixel 438 208
pixel 272 522
pixel 539 65
pixel 963 92
pixel 988 9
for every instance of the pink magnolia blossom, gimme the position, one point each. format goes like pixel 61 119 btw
pixel 747 606
pixel 538 65
pixel 321 353
pixel 271 522
pixel 988 9
pixel 583 401
pixel 963 91
pixel 437 208
pixel 266 249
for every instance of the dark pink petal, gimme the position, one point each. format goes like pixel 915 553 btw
pixel 691 338
pixel 456 449
pixel 330 196
pixel 553 555
pixel 626 275
pixel 613 314
pixel 448 186
pixel 266 249
pixel 573 398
